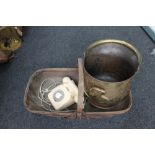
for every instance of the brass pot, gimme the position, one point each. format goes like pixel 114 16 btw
pixel 109 66
pixel 10 40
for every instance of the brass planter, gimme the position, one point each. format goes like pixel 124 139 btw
pixel 10 41
pixel 109 66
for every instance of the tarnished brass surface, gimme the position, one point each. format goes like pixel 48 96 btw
pixel 10 40
pixel 109 66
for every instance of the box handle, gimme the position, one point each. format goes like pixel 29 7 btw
pixel 80 105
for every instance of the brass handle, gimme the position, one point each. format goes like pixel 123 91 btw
pixel 95 91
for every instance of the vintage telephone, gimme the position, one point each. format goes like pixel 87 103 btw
pixel 64 95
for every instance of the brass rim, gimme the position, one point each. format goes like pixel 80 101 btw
pixel 124 43
pixel 99 42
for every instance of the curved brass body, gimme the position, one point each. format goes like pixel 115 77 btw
pixel 10 40
pixel 109 66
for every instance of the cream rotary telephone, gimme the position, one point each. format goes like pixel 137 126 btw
pixel 64 95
